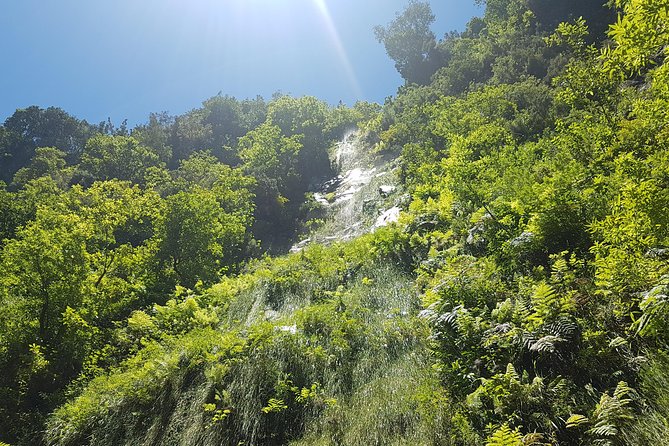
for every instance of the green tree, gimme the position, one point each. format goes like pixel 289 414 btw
pixel 640 35
pixel 156 135
pixel 44 268
pixel 189 134
pixel 410 42
pixel 47 161
pixel 199 239
pixel 83 262
pixel 34 127
pixel 108 157
pixel 216 127
pixel 272 159
pixel 307 118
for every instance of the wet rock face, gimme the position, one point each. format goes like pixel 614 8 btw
pixel 361 198
pixel 331 185
pixel 297 247
pixel 321 199
pixel 352 182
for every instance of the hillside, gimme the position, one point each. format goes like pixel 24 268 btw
pixel 481 260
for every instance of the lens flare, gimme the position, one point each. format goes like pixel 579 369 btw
pixel 322 7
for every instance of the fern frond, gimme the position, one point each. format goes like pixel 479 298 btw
pixel 623 391
pixel 511 371
pixel 533 439
pixel 611 413
pixel 523 307
pixel 576 421
pixel 617 342
pixel 544 296
pixel 528 339
pixel 546 344
pixel 450 318
pixel 605 431
pixel 505 436
pixel 557 386
pixel 655 305
pixel 564 327
pixel 545 302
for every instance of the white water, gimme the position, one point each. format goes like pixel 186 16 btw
pixel 362 198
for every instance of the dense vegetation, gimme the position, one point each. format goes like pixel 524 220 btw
pixel 520 300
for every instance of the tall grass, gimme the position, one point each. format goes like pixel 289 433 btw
pixel 309 349
pixel 651 427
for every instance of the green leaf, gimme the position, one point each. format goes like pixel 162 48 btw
pixel 576 421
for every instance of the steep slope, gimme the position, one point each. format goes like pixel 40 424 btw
pixel 319 343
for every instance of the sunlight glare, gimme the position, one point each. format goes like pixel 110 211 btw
pixel 322 7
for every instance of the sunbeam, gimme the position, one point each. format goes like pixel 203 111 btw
pixel 339 46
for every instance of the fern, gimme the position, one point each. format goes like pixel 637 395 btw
pixel 564 328
pixel 459 321
pixel 554 338
pixel 544 296
pixel 655 305
pixel 559 268
pixel 511 371
pixel 545 302
pixel 618 342
pixel 450 318
pixel 610 414
pixel 576 421
pixel 528 339
pixel 534 439
pixel 523 307
pixel 546 345
pixel 505 436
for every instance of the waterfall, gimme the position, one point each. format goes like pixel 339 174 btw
pixel 363 195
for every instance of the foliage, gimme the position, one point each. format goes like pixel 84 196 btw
pixel 108 157
pixel 640 35
pixel 410 42
pixel 521 299
pixel 254 378
pixel 199 239
pixel 504 436
pixel 33 127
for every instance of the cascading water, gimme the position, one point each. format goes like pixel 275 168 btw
pixel 361 198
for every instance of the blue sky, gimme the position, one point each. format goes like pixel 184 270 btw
pixel 124 59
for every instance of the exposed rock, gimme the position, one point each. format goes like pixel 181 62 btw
pixel 385 190
pixel 523 239
pixel 272 315
pixel 387 217
pixel 474 235
pixel 403 201
pixel 320 198
pixel 332 184
pixel 368 205
pixel 292 329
